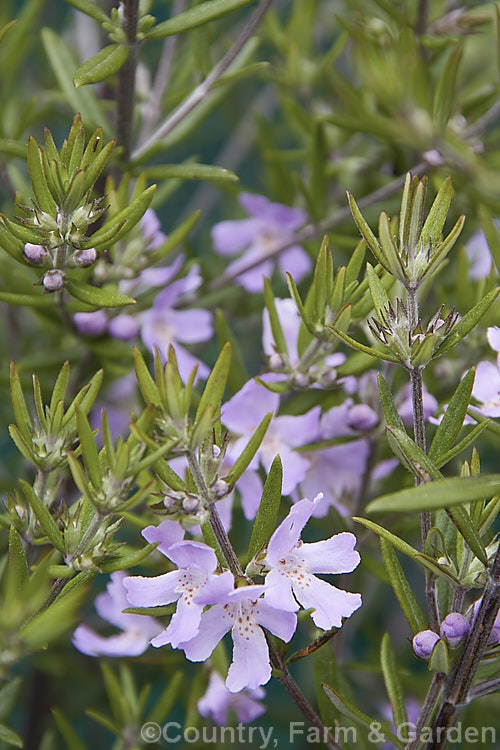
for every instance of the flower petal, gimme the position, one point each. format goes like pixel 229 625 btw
pixel 167 533
pixel 188 554
pixel 250 667
pixel 214 625
pixel 229 237
pixel 153 591
pixel 248 407
pixel 278 593
pixel 288 532
pixel 279 623
pixel 330 604
pixel 129 643
pixel 183 626
pixel 334 555
pixel 296 262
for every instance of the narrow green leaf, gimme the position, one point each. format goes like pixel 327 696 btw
pixel 128 217
pixel 423 560
pixel 367 233
pixel 294 293
pixel 443 249
pixel 147 385
pixel 462 445
pixel 10 737
pixel 169 476
pixel 27 300
pixel 362 347
pixel 93 295
pixel 198 15
pixel 23 446
pixel 389 247
pixel 191 172
pixel 96 166
pixel 436 495
pixel 5 29
pixel 402 589
pixel 216 383
pixel 85 397
pixel 21 413
pixel 43 196
pixel 439 660
pixel 391 413
pixel 277 330
pixel 355 262
pixel 70 737
pixel 17 568
pixel 414 457
pixel 79 477
pixel 89 449
pixel 44 517
pixel 174 238
pixel 168 697
pixel 433 227
pixel 444 96
pixel 90 9
pixel 59 390
pixel 463 522
pixel 249 451
pixel 468 322
pixel 392 681
pixel 52 622
pixel 265 520
pixel 108 61
pixel 128 560
pixel 377 291
pixel 353 713
pixel 453 418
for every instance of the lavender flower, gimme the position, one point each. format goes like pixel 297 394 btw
pixel 424 642
pixel 242 414
pixel 270 225
pixel 196 563
pixel 163 325
pixel 293 564
pixel 479 255
pixel 242 612
pixel 218 701
pixel 487 381
pixel 137 630
pixel 323 371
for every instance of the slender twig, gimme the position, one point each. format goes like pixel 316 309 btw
pixel 427 708
pixel 126 79
pixel 422 16
pixel 205 87
pixel 297 696
pixel 152 109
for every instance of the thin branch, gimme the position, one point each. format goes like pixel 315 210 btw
pixel 161 80
pixel 205 87
pixel 126 79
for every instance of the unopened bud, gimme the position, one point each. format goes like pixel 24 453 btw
pixel 190 504
pixel 53 280
pixel 35 253
pixel 362 417
pixel 454 628
pixel 301 380
pixel 85 258
pixel 215 451
pixel 220 488
pixel 275 362
pixel 424 642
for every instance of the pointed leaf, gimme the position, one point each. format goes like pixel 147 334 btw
pixel 367 233
pixel 93 295
pixel 351 712
pixel 453 418
pixel 191 171
pixel 129 559
pixel 393 682
pixel 43 196
pixel 9 737
pixel 436 218
pixel 468 322
pixel 277 330
pixel 265 520
pixel 402 589
pixel 44 517
pixel 108 61
pixel 362 347
pixel 198 15
pixel 89 449
pixel 90 9
pixel 216 383
pixel 442 494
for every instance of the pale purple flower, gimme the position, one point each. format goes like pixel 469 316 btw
pixel 242 415
pixel 454 628
pixel 242 612
pixel 137 630
pixel 290 321
pixel 487 382
pixel 479 256
pixel 270 225
pixel 163 326
pixel 91 323
pixel 196 563
pixel 151 229
pixel 424 643
pixel 337 472
pixel 124 327
pixel 218 701
pixel 292 581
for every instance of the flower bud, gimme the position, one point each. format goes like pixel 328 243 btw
pixel 85 258
pixel 92 323
pixel 275 362
pixel 220 488
pixel 362 417
pixel 454 628
pixel 190 504
pixel 35 253
pixel 301 380
pixel 216 451
pixel 53 280
pixel 424 642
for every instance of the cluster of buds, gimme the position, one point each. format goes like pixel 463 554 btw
pixel 53 234
pixel 415 346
